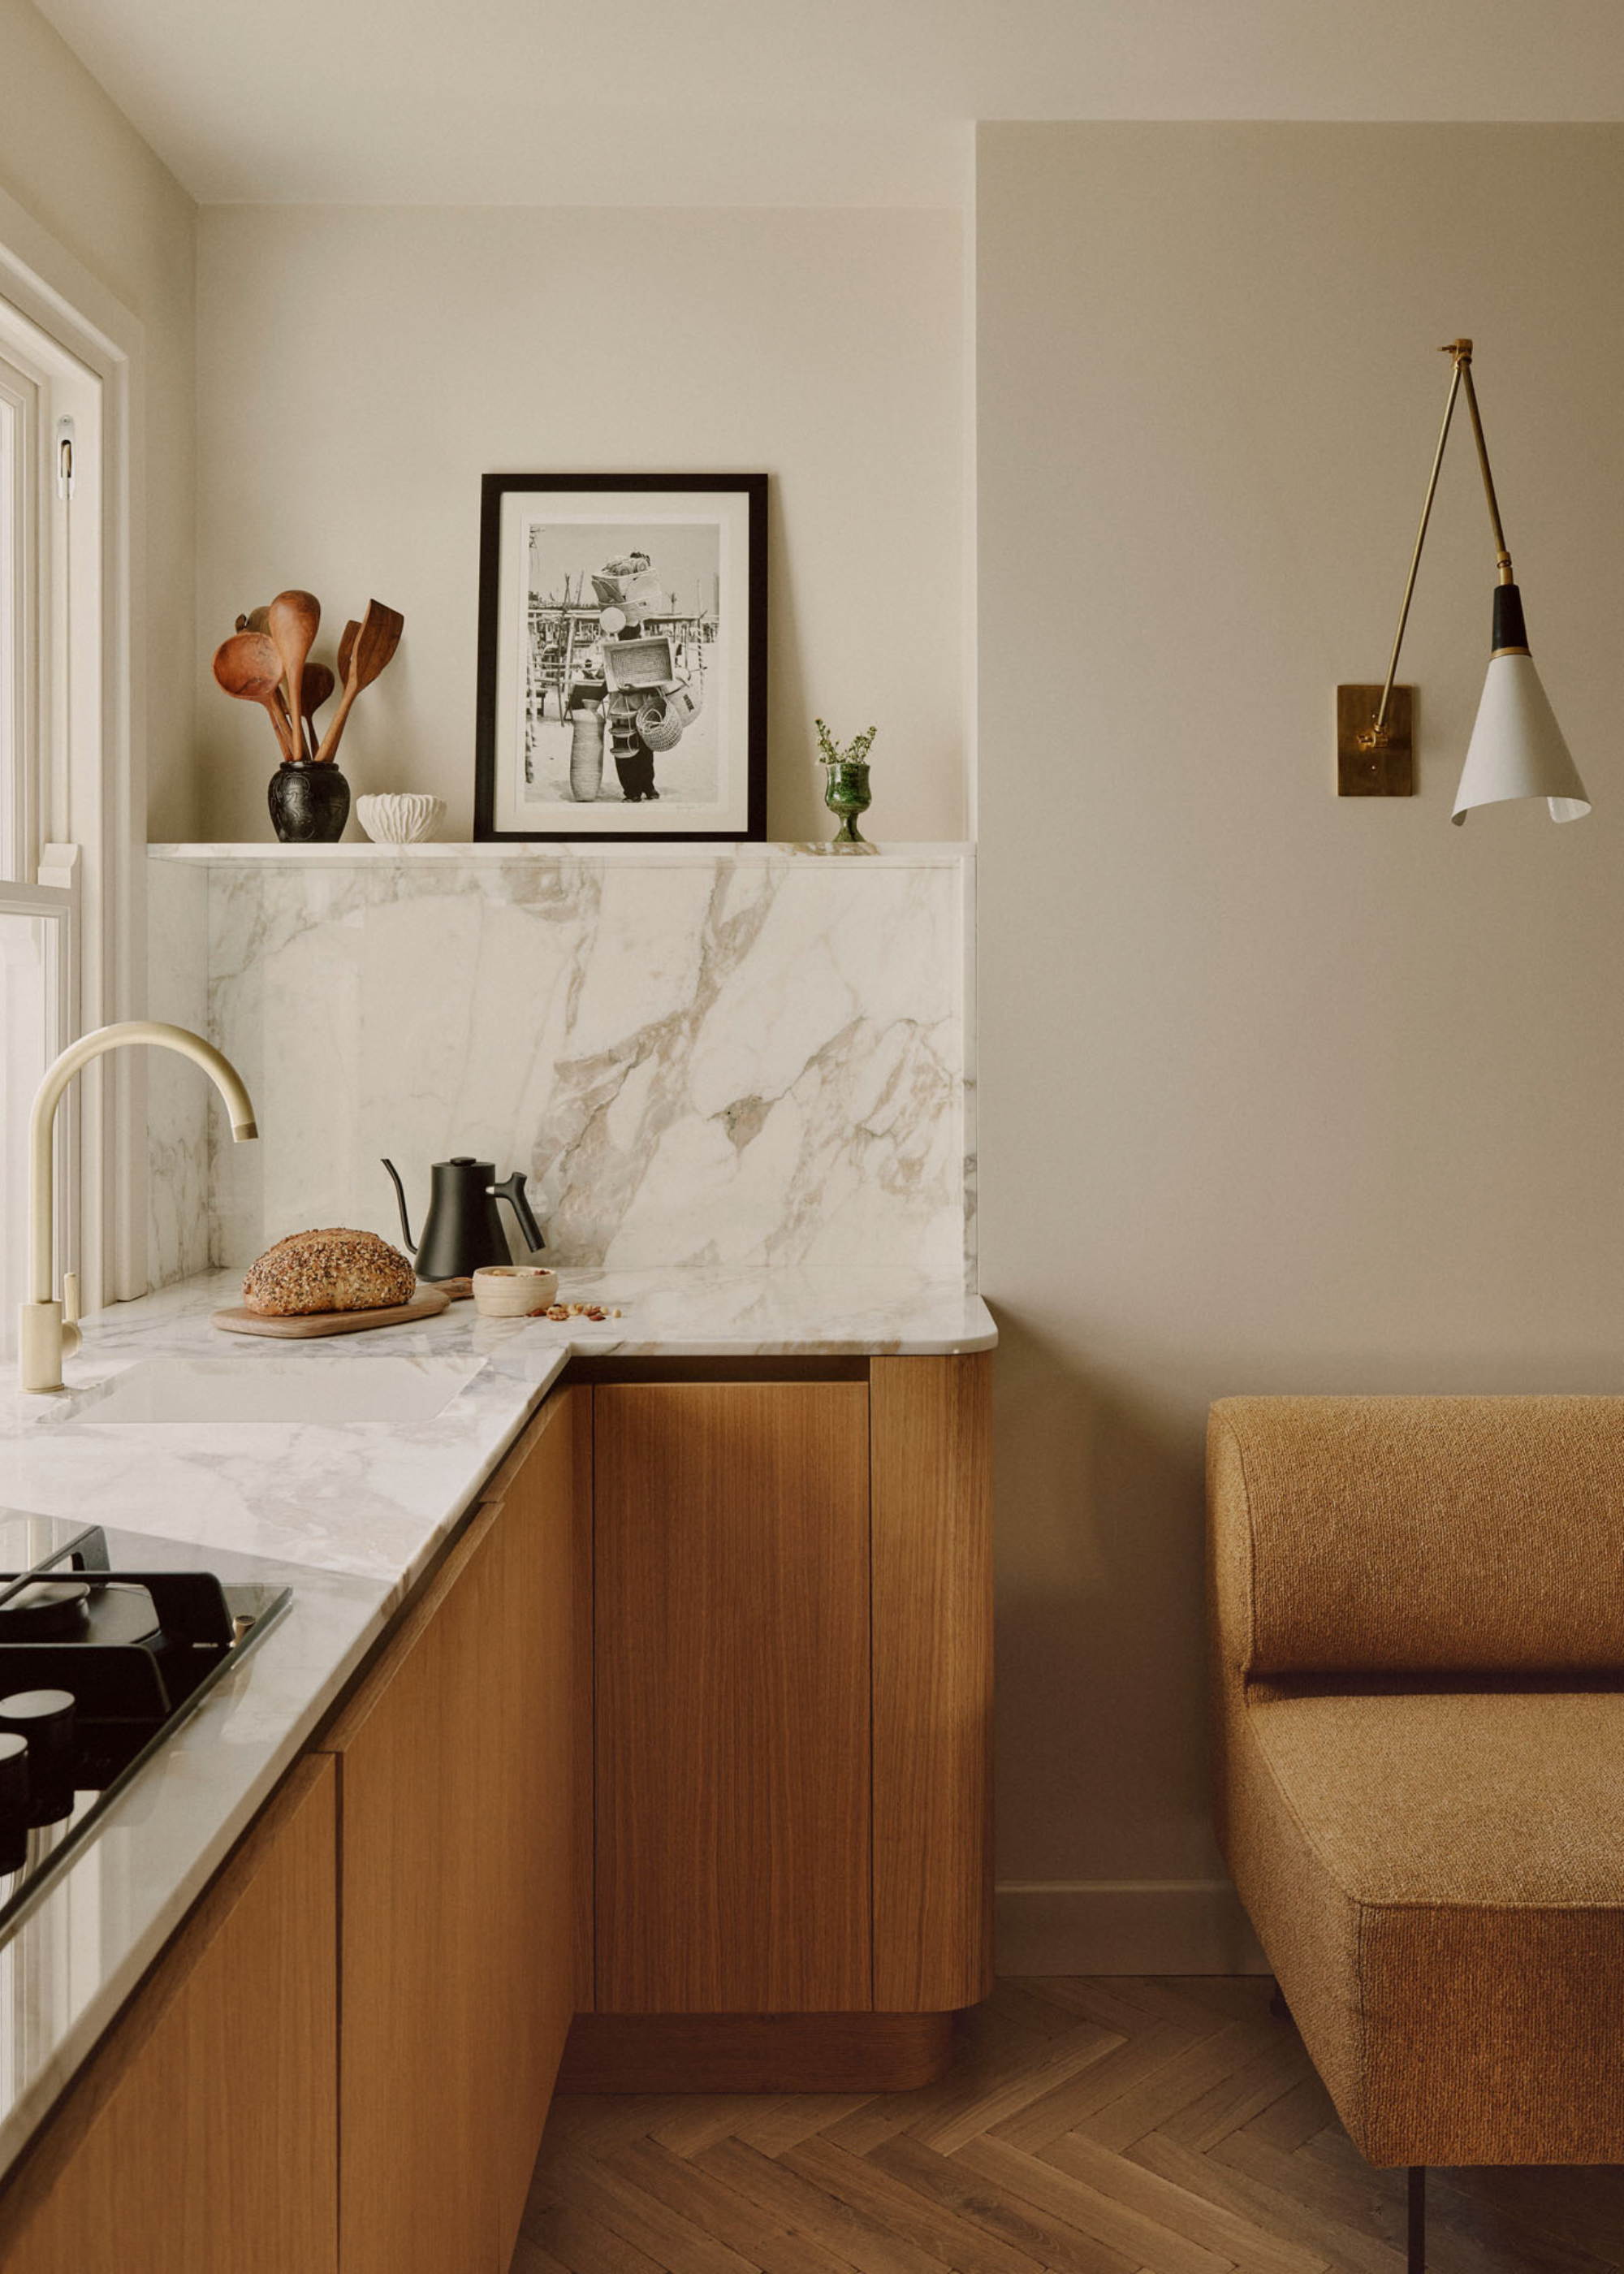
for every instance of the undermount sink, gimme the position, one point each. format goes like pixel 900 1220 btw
pixel 327 1393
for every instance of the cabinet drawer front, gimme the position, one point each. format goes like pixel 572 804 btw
pixel 731 1559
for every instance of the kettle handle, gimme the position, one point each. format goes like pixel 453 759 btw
pixel 512 1189
pixel 400 1194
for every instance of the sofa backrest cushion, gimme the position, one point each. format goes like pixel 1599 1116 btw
pixel 1417 1534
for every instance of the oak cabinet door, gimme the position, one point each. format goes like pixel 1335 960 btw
pixel 536 1861
pixel 203 2138
pixel 456 1765
pixel 932 1606
pixel 731 1692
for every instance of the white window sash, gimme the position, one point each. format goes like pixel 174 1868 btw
pixel 19 523
pixel 55 906
pixel 91 350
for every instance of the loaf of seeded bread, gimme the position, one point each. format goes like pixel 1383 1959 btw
pixel 334 1270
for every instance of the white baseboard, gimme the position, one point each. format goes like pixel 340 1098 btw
pixel 1125 1926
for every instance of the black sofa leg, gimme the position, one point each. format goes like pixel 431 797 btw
pixel 1417 2218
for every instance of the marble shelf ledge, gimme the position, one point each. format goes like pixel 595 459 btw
pixel 364 855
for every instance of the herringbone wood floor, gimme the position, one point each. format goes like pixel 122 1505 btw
pixel 1100 2126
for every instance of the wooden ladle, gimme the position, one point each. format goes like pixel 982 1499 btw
pixel 373 645
pixel 293 620
pixel 248 666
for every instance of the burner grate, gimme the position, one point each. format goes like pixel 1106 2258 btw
pixel 137 1652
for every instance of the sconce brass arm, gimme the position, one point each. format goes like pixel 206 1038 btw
pixel 1460 351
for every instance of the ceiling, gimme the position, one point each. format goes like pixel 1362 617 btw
pixel 775 101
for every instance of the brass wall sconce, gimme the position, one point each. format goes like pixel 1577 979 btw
pixel 1516 748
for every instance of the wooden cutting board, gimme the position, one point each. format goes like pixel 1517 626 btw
pixel 425 1304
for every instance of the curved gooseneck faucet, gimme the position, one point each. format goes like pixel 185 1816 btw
pixel 48 1330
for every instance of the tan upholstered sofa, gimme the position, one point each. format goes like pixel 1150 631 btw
pixel 1417 1640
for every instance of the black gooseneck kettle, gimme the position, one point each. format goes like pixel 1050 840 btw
pixel 463 1230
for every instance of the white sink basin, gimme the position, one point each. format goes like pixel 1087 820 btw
pixel 326 1391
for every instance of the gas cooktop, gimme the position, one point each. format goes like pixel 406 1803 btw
pixel 98 1667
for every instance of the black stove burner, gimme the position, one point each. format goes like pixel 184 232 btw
pixel 47 1610
pixel 129 1648
pixel 97 1668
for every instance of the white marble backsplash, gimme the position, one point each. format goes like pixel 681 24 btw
pixel 699 1055
pixel 177 1096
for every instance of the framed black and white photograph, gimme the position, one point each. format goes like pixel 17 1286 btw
pixel 622 657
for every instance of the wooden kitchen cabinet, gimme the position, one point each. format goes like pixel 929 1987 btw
pixel 792 1583
pixel 456 1766
pixel 930 1424
pixel 731 1592
pixel 687 1735
pixel 203 2138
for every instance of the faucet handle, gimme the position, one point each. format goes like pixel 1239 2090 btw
pixel 72 1337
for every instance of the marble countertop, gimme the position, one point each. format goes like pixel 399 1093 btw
pixel 349 1515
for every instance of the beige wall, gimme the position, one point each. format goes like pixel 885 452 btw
pixel 359 369
pixel 75 164
pixel 1279 1092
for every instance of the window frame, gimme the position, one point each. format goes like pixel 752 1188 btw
pixel 58 906
pixel 88 825
pixel 19 693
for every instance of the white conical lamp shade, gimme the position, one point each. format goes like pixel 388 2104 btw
pixel 1517 746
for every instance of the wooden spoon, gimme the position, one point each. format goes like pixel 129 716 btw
pixel 293 620
pixel 374 643
pixel 248 666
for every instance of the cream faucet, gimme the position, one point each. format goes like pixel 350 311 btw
pixel 48 1330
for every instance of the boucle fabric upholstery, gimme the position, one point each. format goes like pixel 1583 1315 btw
pixel 1431 1846
pixel 1472 1534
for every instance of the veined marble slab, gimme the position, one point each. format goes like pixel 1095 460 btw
pixel 178 1096
pixel 731 1056
pixel 359 852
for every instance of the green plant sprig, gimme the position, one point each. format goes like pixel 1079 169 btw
pixel 855 751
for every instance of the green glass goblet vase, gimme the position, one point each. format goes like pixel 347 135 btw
pixel 845 793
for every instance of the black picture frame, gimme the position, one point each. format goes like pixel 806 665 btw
pixel 499 757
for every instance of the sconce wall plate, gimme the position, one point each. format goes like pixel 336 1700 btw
pixel 1389 770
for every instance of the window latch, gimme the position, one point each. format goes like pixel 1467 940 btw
pixel 64 457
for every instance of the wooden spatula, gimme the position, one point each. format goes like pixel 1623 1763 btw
pixel 373 645
pixel 319 684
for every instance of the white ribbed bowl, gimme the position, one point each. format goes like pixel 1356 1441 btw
pixel 513 1291
pixel 400 816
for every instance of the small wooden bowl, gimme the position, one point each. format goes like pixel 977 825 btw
pixel 513 1291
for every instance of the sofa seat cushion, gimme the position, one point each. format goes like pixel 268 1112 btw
pixel 1471 1798
pixel 1437 1877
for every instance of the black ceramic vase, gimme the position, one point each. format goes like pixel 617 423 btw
pixel 310 803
